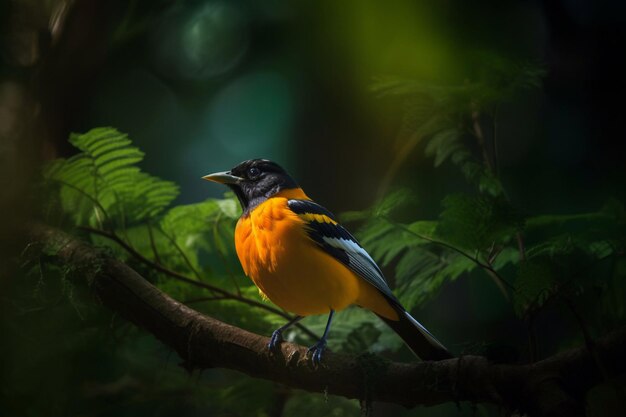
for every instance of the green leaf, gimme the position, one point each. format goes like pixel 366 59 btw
pixel 560 219
pixel 533 286
pixel 381 208
pixel 506 256
pixel 441 114
pixel 103 184
pixel 443 144
pixel 562 265
pixel 355 330
pixel 385 240
pixel 229 206
pixel 391 202
pixel 426 228
pixel 205 228
pixel 307 404
pixel 476 223
pixel 421 273
pixel 601 228
pixel 422 266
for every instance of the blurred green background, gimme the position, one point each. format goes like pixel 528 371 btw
pixel 202 85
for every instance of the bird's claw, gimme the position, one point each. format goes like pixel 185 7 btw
pixel 317 350
pixel 277 337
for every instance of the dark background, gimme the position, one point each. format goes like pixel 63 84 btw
pixel 202 85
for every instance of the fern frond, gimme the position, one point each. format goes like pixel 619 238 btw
pixel 475 223
pixel 203 228
pixel 105 177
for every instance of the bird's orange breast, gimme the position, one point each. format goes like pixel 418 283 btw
pixel 289 268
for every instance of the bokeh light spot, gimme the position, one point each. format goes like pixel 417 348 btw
pixel 200 42
pixel 253 115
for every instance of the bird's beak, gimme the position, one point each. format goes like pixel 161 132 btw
pixel 222 177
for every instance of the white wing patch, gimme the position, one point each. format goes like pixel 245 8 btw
pixel 349 246
pixel 361 263
pixel 339 243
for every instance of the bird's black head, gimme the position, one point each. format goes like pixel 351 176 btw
pixel 254 181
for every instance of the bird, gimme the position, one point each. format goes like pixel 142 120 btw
pixel 304 261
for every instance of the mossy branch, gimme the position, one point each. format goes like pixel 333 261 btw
pixel 552 387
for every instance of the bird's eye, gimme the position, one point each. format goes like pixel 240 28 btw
pixel 253 172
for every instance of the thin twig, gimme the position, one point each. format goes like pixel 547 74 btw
pixel 495 140
pixel 181 252
pixel 494 252
pixel 499 281
pixel 480 137
pixel 122 210
pixel 92 199
pixel 204 299
pixel 180 277
pixel 157 259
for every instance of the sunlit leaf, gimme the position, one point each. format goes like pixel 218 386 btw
pixel 103 184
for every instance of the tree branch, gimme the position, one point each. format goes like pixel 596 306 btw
pixel 180 277
pixel 551 387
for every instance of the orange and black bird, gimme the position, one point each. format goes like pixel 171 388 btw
pixel 305 262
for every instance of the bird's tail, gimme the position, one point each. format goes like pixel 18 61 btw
pixel 420 340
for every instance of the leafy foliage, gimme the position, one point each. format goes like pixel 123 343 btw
pixel 483 232
pixel 477 222
pixel 498 79
pixel 447 116
pixel 422 261
pixel 566 263
pixel 533 259
pixel 127 211
pixel 102 184
pixel 103 189
pixel 205 227
pixel 187 250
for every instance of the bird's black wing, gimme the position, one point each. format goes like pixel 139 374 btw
pixel 334 239
pixel 339 243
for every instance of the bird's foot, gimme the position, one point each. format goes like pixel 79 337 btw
pixel 317 351
pixel 277 337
